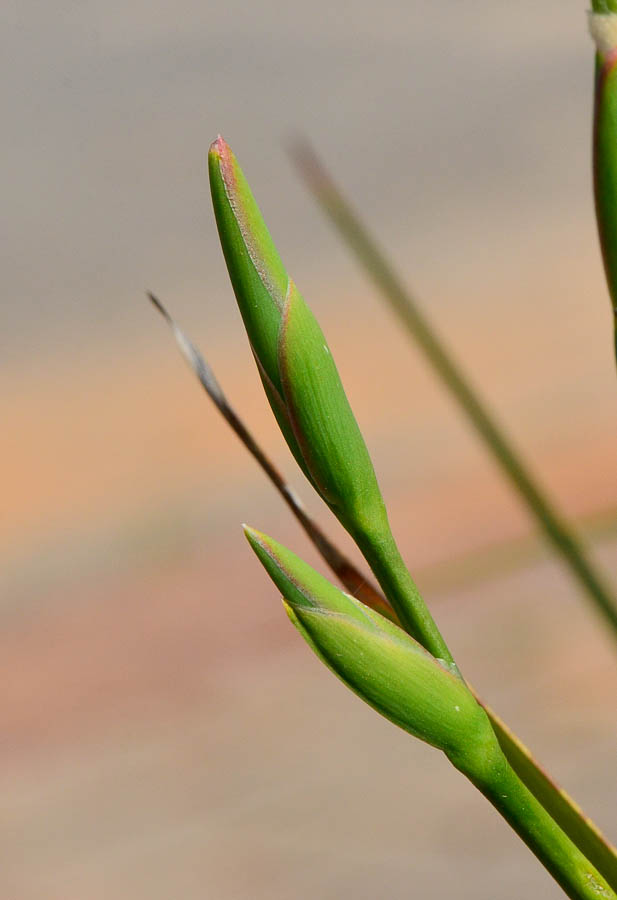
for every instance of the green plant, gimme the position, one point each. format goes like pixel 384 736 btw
pixel 400 669
pixel 384 645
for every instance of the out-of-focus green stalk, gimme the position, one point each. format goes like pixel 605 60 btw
pixel 603 28
pixel 556 530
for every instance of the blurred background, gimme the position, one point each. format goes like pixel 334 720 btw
pixel 165 733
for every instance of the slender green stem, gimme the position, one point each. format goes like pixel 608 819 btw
pixel 568 866
pixel 563 539
pixel 557 803
pixel 384 558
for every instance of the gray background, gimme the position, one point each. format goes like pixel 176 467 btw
pixel 164 731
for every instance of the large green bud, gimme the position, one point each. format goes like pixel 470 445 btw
pixel 381 663
pixel 297 369
pixel 305 391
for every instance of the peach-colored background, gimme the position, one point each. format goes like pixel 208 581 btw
pixel 164 731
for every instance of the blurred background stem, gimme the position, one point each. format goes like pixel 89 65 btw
pixel 553 525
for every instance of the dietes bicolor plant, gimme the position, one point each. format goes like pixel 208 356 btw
pixel 305 391
pixel 406 673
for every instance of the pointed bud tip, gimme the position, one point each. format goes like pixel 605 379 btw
pixel 218 145
pixel 254 537
pixel 220 151
pixel 223 165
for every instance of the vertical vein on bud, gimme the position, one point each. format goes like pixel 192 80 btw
pixel 255 236
pixel 350 576
pixel 299 434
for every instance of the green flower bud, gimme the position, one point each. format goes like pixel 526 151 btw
pixel 299 375
pixel 381 663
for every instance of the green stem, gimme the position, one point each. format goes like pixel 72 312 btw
pixel 386 562
pixel 564 541
pixel 568 866
pixel 561 807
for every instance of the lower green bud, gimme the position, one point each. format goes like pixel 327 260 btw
pixel 381 663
